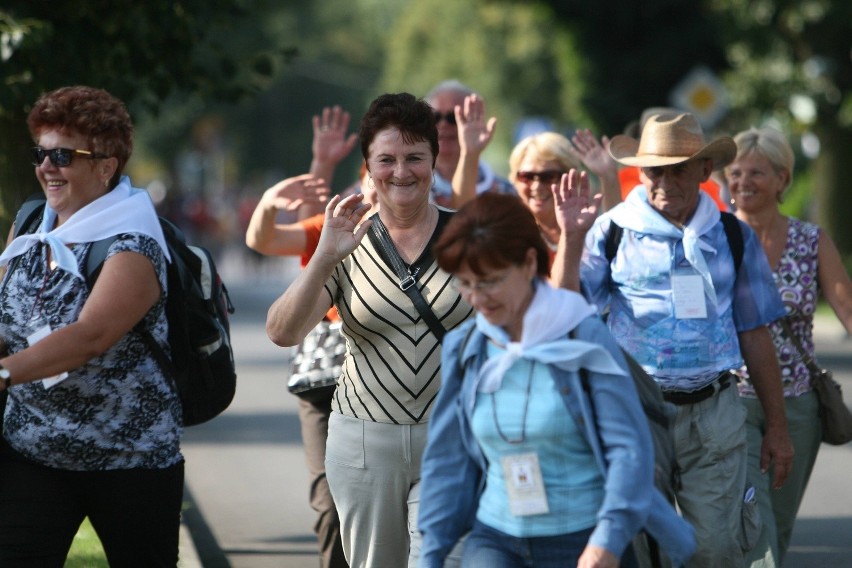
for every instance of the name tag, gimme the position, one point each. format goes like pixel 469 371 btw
pixel 41 329
pixel 688 295
pixel 524 484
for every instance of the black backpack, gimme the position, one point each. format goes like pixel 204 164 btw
pixel 201 365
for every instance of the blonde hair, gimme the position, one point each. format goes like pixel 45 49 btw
pixel 546 146
pixel 769 143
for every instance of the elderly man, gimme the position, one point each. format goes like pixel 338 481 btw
pixel 444 98
pixel 680 305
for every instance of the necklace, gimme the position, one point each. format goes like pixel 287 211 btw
pixel 523 417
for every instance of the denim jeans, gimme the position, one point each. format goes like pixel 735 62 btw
pixel 489 548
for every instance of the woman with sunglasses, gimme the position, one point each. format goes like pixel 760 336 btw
pixel 536 163
pixel 92 426
pixel 538 443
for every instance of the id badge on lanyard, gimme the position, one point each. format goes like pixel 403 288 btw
pixel 37 329
pixel 524 483
pixel 688 294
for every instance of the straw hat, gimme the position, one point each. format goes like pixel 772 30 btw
pixel 671 139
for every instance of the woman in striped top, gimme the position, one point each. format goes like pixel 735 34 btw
pixel 377 430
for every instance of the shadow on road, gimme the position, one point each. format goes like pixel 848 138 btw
pixel 810 548
pixel 254 428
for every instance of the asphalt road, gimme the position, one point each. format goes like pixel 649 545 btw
pixel 247 485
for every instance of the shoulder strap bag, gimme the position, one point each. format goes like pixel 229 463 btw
pixel 407 282
pixel 833 412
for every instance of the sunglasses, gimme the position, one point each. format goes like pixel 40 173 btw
pixel 61 157
pixel 548 177
pixel 450 117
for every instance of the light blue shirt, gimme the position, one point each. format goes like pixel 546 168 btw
pixel 573 481
pixel 681 354
pixel 454 467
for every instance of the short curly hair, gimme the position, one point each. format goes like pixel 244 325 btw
pixel 91 112
pixel 413 117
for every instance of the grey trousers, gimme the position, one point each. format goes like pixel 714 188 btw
pixel 313 418
pixel 778 507
pixel 373 470
pixel 710 442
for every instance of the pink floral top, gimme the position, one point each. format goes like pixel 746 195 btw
pixel 798 282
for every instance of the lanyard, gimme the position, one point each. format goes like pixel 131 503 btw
pixel 523 417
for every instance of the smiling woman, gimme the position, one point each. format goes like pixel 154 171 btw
pixel 512 458
pixel 797 251
pixel 391 373
pixel 92 424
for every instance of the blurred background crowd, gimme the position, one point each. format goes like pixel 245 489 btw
pixel 222 91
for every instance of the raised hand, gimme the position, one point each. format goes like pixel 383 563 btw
pixel 331 144
pixel 593 154
pixel 343 228
pixel 474 131
pixel 289 194
pixel 576 207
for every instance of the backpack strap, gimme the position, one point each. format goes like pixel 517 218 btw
pixel 29 212
pixel 25 222
pixel 613 237
pixel 463 346
pixel 735 238
pixel 95 259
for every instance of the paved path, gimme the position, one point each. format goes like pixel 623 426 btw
pixel 246 480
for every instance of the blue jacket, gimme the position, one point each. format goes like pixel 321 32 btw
pixel 452 474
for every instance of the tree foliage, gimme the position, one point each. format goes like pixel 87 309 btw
pixel 510 53
pixel 790 65
pixel 628 55
pixel 786 62
pixel 139 51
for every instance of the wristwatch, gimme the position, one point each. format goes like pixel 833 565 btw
pixel 6 377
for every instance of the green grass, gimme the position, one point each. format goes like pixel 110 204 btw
pixel 86 550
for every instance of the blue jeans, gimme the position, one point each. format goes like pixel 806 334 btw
pixel 489 548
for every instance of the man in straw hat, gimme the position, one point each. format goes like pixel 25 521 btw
pixel 680 306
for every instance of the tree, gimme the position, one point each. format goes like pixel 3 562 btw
pixel 510 53
pixel 790 63
pixel 139 51
pixel 628 55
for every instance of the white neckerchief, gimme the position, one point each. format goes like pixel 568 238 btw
pixel 545 338
pixel 122 210
pixel 484 181
pixel 636 214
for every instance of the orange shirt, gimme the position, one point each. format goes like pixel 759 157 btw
pixel 313 228
pixel 628 177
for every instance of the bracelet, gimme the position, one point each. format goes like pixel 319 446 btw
pixel 6 377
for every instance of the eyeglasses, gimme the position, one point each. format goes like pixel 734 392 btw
pixel 487 286
pixel 548 177
pixel 61 157
pixel 450 117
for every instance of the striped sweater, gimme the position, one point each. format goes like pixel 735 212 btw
pixel 392 369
